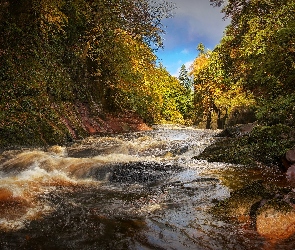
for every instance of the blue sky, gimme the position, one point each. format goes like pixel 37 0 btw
pixel 195 21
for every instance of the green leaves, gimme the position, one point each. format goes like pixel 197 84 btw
pixel 258 44
pixel 257 56
pixel 184 78
pixel 68 51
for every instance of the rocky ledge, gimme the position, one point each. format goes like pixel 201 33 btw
pixel 98 122
pixel 268 206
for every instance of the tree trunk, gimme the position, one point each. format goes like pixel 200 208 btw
pixel 209 119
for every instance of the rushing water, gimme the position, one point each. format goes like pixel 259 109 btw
pixel 132 191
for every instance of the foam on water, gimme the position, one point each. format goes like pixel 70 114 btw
pixel 27 175
pixel 20 191
pixel 131 191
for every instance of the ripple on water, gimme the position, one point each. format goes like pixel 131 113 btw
pixel 130 191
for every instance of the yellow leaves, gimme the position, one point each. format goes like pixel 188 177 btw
pixel 199 63
pixel 52 18
pixel 233 97
pixel 213 92
pixel 139 54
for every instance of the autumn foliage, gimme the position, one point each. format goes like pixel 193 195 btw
pixel 252 67
pixel 55 54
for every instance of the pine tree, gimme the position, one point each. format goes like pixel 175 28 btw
pixel 184 78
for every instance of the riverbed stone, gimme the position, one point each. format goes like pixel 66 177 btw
pixel 146 173
pixel 291 172
pixel 276 220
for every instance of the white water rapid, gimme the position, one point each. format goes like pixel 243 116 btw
pixel 131 191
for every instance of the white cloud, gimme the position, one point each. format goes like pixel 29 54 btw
pixel 188 65
pixel 185 51
pixel 195 21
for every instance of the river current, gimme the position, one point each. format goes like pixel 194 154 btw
pixel 144 190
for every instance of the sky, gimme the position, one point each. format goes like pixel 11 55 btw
pixel 194 22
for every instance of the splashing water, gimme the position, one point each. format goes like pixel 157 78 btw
pixel 130 191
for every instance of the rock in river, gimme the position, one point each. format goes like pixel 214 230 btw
pixel 276 223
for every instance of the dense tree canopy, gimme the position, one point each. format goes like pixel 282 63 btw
pixel 55 53
pixel 259 45
pixel 254 62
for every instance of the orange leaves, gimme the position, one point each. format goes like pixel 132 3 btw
pixel 199 63
pixel 214 93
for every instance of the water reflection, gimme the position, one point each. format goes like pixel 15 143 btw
pixel 131 191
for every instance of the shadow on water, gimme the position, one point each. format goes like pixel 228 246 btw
pixel 132 191
pixel 78 223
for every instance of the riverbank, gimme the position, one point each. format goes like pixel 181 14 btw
pixel 251 145
pixel 266 201
pixel 61 123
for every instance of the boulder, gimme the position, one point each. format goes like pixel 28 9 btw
pixel 288 161
pixel 291 172
pixel 276 222
pixel 290 155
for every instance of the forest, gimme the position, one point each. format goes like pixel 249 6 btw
pixel 56 55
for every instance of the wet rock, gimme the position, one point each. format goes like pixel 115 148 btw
pixel 291 173
pixel 271 210
pixel 290 155
pixel 94 120
pixel 141 172
pixel 276 220
pixel 288 163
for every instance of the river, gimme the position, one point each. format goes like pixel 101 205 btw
pixel 143 190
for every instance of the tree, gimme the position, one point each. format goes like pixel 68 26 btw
pixel 258 54
pixel 184 77
pixel 201 48
pixel 259 45
pixel 215 96
pixel 56 53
